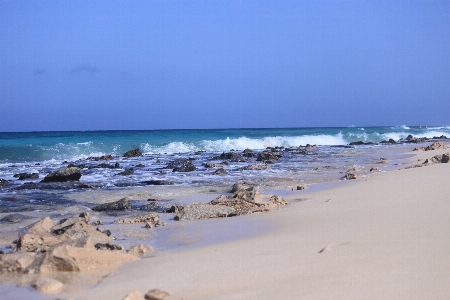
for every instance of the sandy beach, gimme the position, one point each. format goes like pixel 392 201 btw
pixel 381 237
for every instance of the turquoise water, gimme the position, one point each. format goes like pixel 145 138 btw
pixel 42 146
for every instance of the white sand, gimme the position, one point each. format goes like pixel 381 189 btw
pixel 382 237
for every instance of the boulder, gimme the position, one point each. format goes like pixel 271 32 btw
pixel 197 211
pixel 139 250
pixel 108 246
pixel 276 202
pixel 64 175
pixel 16 262
pixel 186 166
pixel 350 175
pixel 3 182
pixel 47 285
pixel 156 295
pixel 231 156
pixel 103 157
pixel 150 217
pixel 241 186
pixel 41 241
pixel 133 153
pixel 444 158
pixel 68 258
pixel 43 225
pixel 268 156
pixel 122 204
pixel 82 231
pixel 23 176
pixel 67 223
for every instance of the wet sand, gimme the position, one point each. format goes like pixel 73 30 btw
pixel 384 236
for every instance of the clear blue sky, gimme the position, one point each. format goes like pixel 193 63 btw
pixel 98 65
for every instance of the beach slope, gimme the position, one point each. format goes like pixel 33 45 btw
pixel 386 236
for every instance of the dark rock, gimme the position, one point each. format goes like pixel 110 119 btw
pixel 3 182
pixel 268 156
pixel 187 166
pixel 231 156
pixel 103 157
pixel 210 164
pixel 361 143
pixel 106 166
pixel 108 246
pixel 248 153
pixel 122 204
pixel 256 167
pixel 22 176
pixel 64 175
pixel 126 172
pixel 133 153
pixel 301 187
pixel 174 209
pixel 14 218
pixel 220 171
pixel 157 182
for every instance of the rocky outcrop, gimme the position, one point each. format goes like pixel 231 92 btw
pixel 103 157
pixel 198 211
pixel 133 153
pixel 23 176
pixel 434 146
pixel 187 166
pixel 64 175
pixel 444 158
pixel 268 156
pixel 231 156
pixel 122 204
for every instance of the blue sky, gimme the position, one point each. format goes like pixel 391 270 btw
pixel 100 65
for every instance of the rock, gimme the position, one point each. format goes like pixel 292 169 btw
pixel 66 223
pixel 127 172
pixel 434 146
pixel 108 246
pixel 300 187
pixel 14 218
pixel 105 166
pixel 122 204
pixel 3 182
pixel 136 295
pixel 231 156
pixel 276 202
pixel 16 262
pixel 103 157
pixel 248 153
pixel 444 158
pixel 47 285
pixel 241 186
pixel 187 166
pixel 23 176
pixel 375 169
pixel 139 250
pixel 133 153
pixel 220 171
pixel 82 230
pixel 268 156
pixel 64 175
pixel 43 225
pixel 156 295
pixel 68 258
pixel 197 211
pixel 41 241
pixel 157 182
pixel 257 167
pixel 350 176
pixel 150 217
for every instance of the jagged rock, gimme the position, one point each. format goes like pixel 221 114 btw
pixel 248 153
pixel 66 223
pixel 231 156
pixel 14 218
pixel 276 202
pixel 47 285
pixel 108 246
pixel 136 295
pixel 256 167
pixel 23 176
pixel 16 262
pixel 186 166
pixel 64 175
pixel 41 241
pixel 197 211
pixel 174 209
pixel 210 164
pixel 122 204
pixel 434 146
pixel 444 158
pixel 103 157
pixel 139 250
pixel 268 156
pixel 83 230
pixel 43 225
pixel 150 217
pixel 220 171
pixel 156 295
pixel 350 176
pixel 241 186
pixel 133 153
pixel 68 258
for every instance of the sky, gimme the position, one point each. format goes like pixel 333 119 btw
pixel 110 65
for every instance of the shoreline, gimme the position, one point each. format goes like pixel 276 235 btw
pixel 381 236
pixel 190 237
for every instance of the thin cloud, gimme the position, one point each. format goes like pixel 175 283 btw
pixel 84 68
pixel 37 72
